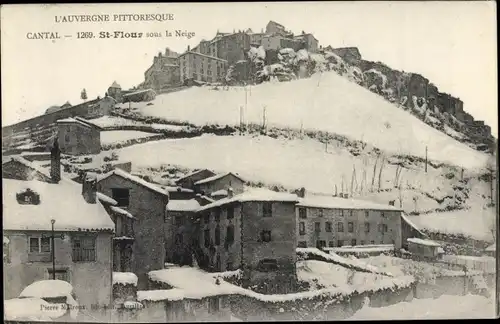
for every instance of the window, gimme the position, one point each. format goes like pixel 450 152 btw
pixel 362 242
pixel 328 226
pixel 206 218
pixel 179 220
pixel 302 213
pixel 340 227
pixel 367 213
pixel 61 274
pixel 320 244
pixel 122 196
pixel 382 214
pixel 342 212
pixel 330 244
pixel 213 304
pixel 367 227
pixel 340 243
pixel 40 244
pixel 350 227
pixel 317 227
pixel 382 228
pixel 320 212
pixel 265 236
pixel 229 266
pixel 267 209
pixel 206 237
pixel 178 239
pixel 302 228
pixel 372 242
pixel 230 212
pixel 217 235
pixel 230 234
pixel 302 244
pixel 84 248
pixel 217 215
pixel 66 138
pixel 353 242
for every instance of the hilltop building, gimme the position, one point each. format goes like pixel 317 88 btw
pixel 200 67
pixel 164 73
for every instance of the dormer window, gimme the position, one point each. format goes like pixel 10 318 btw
pixel 28 197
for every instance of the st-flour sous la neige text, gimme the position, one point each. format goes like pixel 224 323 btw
pixel 114 17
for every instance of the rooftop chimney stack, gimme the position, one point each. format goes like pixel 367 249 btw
pixel 301 192
pixel 89 187
pixel 230 193
pixel 55 161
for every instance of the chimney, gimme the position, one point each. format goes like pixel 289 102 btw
pixel 230 193
pixel 55 161
pixel 301 193
pixel 89 187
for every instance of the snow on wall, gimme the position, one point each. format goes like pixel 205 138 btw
pixel 124 278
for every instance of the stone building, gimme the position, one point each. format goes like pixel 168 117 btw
pixel 273 27
pixel 77 136
pixel 223 181
pixel 115 91
pixel 83 231
pixel 311 43
pixel 164 72
pixel 326 221
pixel 201 67
pixel 253 231
pixel 147 203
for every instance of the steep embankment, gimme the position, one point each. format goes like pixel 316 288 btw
pixel 324 102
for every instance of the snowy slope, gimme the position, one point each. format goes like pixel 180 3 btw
pixel 325 102
pixel 297 163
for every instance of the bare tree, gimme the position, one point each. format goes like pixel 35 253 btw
pixel 380 174
pixel 374 172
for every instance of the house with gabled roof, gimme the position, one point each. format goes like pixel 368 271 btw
pixel 189 179
pixel 147 203
pixel 78 136
pixel 217 182
pixel 51 231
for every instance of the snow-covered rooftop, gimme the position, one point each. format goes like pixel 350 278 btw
pixel 124 278
pixel 160 294
pixel 222 192
pixel 134 179
pixel 217 177
pixel 362 248
pixel 192 174
pixel 122 212
pixel 104 198
pixel 177 189
pixel 47 289
pixel 62 202
pixel 320 201
pixel 76 121
pixel 491 248
pixel 423 242
pixel 253 195
pixel 183 205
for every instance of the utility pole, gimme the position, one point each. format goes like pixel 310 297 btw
pixel 426 159
pixel 241 120
pixel 52 221
pixel 264 118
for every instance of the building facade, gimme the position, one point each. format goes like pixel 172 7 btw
pixel 83 233
pixel 201 67
pixel 324 221
pixel 224 181
pixel 253 231
pixel 311 43
pixel 189 180
pixel 147 203
pixel 76 136
pixel 164 72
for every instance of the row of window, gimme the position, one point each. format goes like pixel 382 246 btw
pixel 267 211
pixel 322 244
pixel 83 247
pixel 382 228
pixel 229 236
pixel 343 213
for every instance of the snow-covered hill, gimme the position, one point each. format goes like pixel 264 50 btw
pixel 324 102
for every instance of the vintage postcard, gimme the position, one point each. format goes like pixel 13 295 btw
pixel 249 161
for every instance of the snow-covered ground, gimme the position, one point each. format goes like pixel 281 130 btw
pixel 444 307
pixel 325 102
pixel 301 163
pixel 113 121
pixel 119 136
pixel 476 223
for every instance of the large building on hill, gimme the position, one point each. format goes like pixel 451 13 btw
pixel 164 72
pixel 200 67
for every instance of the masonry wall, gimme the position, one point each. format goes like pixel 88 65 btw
pixel 230 254
pixel 178 223
pixel 91 281
pixel 281 248
pixel 148 250
pixel 357 218
pixel 77 139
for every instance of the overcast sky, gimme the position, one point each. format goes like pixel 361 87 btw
pixel 451 43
